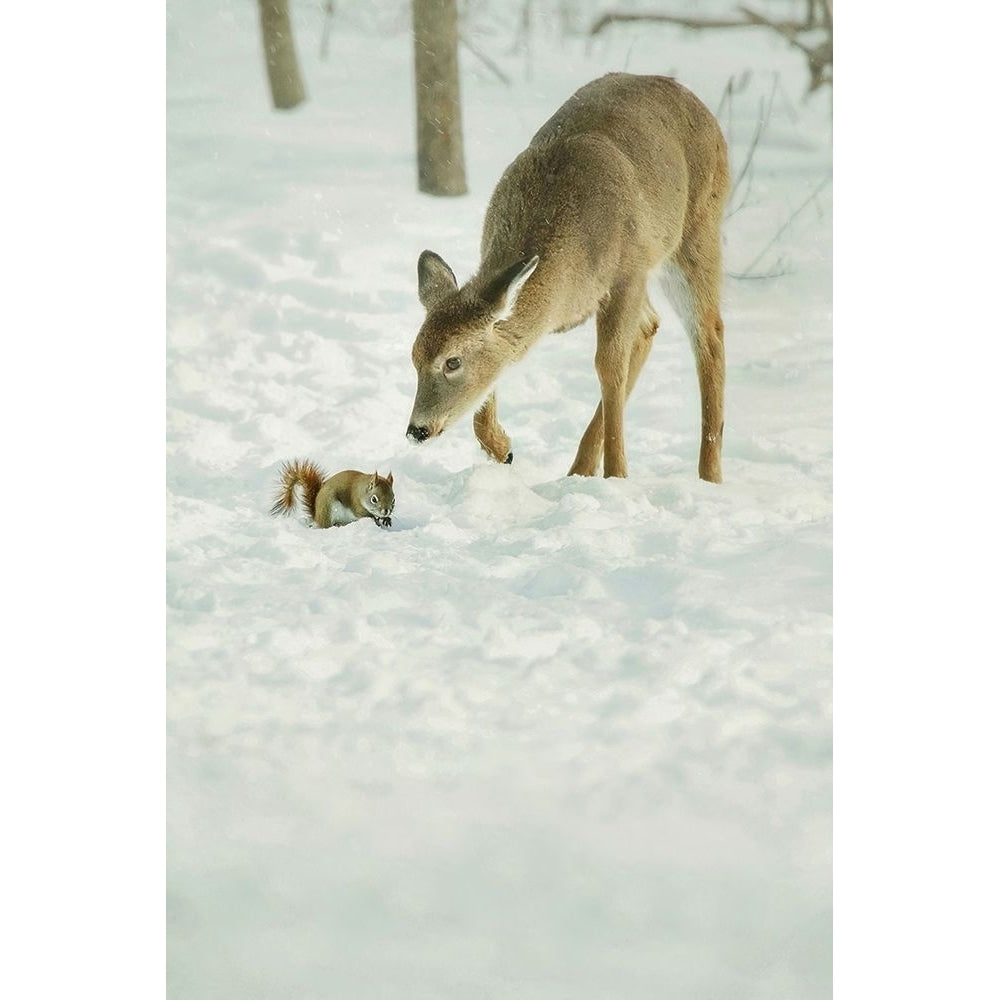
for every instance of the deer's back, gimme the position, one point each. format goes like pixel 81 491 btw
pixel 651 120
pixel 609 182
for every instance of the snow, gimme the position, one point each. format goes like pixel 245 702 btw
pixel 546 737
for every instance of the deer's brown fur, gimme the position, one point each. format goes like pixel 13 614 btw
pixel 628 177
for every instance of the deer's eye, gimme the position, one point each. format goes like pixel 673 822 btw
pixel 453 364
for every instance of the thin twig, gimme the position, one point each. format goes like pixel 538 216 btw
pixel 324 45
pixel 727 94
pixel 758 277
pixel 786 30
pixel 684 22
pixel 762 123
pixel 628 55
pixel 733 87
pixel 743 201
pixel 793 115
pixel 818 59
pixel 485 60
pixel 774 239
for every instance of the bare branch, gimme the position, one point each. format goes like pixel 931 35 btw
pixel 786 30
pixel 762 122
pixel 684 22
pixel 324 44
pixel 727 95
pixel 819 58
pixel 748 273
pixel 777 272
pixel 484 59
pixel 827 14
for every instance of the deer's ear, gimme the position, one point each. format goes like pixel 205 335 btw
pixel 435 279
pixel 503 290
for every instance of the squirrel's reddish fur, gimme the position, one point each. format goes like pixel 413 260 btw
pixel 303 471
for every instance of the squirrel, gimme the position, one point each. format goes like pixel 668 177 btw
pixel 335 500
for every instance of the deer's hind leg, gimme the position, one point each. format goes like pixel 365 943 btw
pixel 490 435
pixel 590 452
pixel 692 281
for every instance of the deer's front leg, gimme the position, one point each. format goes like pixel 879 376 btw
pixel 613 395
pixel 619 326
pixel 588 455
pixel 490 434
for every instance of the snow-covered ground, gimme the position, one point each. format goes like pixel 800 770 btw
pixel 547 737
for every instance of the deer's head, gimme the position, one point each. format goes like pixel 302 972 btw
pixel 459 352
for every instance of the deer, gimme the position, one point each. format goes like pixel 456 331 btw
pixel 628 178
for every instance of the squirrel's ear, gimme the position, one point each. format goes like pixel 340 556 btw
pixel 388 478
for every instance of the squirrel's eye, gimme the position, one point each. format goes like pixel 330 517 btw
pixel 374 498
pixel 453 364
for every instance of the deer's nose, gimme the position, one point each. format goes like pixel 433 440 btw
pixel 417 434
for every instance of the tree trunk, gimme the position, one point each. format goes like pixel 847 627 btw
pixel 440 156
pixel 279 51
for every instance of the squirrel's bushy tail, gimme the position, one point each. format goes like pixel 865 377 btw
pixel 311 477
